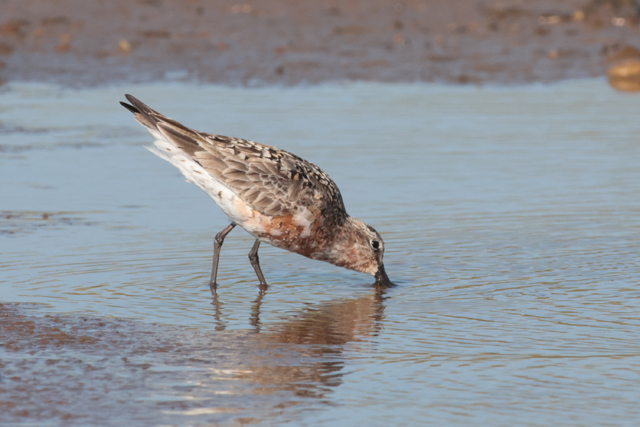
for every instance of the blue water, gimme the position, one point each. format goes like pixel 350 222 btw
pixel 511 219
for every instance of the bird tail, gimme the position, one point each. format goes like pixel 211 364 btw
pixel 149 117
pixel 163 128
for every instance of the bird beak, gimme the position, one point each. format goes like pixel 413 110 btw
pixel 382 279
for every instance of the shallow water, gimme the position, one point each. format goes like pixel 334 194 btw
pixel 511 221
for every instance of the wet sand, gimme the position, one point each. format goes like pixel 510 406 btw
pixel 80 369
pixel 89 42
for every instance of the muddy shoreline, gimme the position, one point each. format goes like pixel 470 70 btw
pixel 87 370
pixel 91 42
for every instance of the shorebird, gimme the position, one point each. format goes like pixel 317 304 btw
pixel 274 195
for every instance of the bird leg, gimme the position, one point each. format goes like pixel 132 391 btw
pixel 255 262
pixel 217 244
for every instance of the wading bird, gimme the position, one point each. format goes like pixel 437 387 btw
pixel 274 195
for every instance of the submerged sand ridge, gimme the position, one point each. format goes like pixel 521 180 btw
pixel 100 371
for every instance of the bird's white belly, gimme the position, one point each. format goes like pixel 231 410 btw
pixel 232 205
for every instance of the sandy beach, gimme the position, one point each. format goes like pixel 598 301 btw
pixel 89 42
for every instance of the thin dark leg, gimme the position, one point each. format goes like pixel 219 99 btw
pixel 217 244
pixel 255 262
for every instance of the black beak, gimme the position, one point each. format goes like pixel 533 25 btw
pixel 382 280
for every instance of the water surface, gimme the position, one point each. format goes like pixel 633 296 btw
pixel 510 218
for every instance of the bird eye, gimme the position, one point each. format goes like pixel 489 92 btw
pixel 375 244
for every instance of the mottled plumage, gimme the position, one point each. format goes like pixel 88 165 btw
pixel 276 196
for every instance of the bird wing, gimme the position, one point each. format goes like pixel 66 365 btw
pixel 271 181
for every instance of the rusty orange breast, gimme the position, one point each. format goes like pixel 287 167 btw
pixel 287 233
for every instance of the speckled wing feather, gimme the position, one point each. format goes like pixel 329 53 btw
pixel 271 181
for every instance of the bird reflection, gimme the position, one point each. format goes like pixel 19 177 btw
pixel 304 354
pixel 217 311
pixel 254 320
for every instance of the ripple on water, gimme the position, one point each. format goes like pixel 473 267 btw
pixel 510 217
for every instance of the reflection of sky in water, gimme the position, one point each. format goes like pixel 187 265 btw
pixel 510 217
